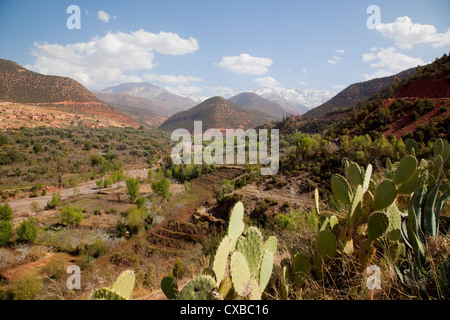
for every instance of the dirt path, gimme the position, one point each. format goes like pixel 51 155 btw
pixel 22 207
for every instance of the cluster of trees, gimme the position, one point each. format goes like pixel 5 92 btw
pixel 27 231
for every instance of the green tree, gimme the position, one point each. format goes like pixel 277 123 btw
pixel 27 230
pixel 6 212
pixel 133 188
pixel 71 216
pixel 161 188
pixel 6 232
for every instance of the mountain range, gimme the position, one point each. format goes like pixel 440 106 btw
pixel 216 112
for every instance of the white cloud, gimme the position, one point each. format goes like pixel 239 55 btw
pixel 303 83
pixel 339 86
pixel 174 80
pixel 406 34
pixel 305 71
pixel 389 62
pixel 109 59
pixel 266 82
pixel 335 60
pixel 104 16
pixel 245 64
pixel 340 51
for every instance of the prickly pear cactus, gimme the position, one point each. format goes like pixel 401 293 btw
pixel 236 225
pixel 346 239
pixel 271 244
pixel 418 179
pixel 411 147
pixel 240 273
pixel 250 244
pixel 201 288
pixel 395 223
pixel 405 169
pixel 265 270
pixel 354 174
pixel 169 288
pixel 121 289
pixel 226 289
pixel 377 225
pixel 108 294
pixel 221 259
pixel 385 195
pixel 341 188
pixel 301 267
pixel 367 176
pixel 356 207
pixel 326 244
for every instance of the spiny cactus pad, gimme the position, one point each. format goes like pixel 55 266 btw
pixel 411 147
pixel 385 195
pixel 226 289
pixel 333 222
pixel 266 269
pixel 201 288
pixel 405 169
pixel 221 259
pixel 316 200
pixel 367 203
pixel 395 223
pixel 356 207
pixel 341 188
pixel 125 283
pixel 437 166
pixel 169 288
pixel 326 244
pixel 236 225
pixel 240 274
pixel 250 244
pixel 367 177
pixel 438 148
pixel 108 294
pixel 271 244
pixel 301 267
pixel 354 174
pixel 346 238
pixel 413 184
pixel 377 225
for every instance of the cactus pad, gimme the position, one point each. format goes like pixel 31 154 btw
pixel 411 147
pixel 367 177
pixel 108 294
pixel 395 223
pixel 271 244
pixel 341 188
pixel 385 195
pixel 201 288
pixel 405 169
pixel 333 222
pixel 414 183
pixel 266 269
pixel 236 225
pixel 316 200
pixel 367 203
pixel 346 238
pixel 326 244
pixel 125 283
pixel 437 166
pixel 221 259
pixel 240 274
pixel 301 267
pixel 169 288
pixel 354 174
pixel 438 148
pixel 356 209
pixel 250 244
pixel 377 225
pixel 226 289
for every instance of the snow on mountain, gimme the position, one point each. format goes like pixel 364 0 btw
pixel 295 100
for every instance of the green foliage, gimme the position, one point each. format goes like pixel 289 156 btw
pixel 178 269
pixel 161 188
pixel 6 213
pixel 71 216
pixel 27 288
pixel 27 230
pixel 135 219
pixel 133 186
pixel 6 232
pixel 55 201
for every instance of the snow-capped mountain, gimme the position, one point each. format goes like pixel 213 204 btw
pixel 296 101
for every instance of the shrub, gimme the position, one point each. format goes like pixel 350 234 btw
pixel 135 219
pixel 140 202
pixel 225 188
pixel 55 201
pixel 133 188
pixel 161 188
pixel 71 216
pixel 6 213
pixel 27 288
pixel 27 230
pixel 178 269
pixel 6 232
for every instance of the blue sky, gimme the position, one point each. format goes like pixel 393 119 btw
pixel 210 47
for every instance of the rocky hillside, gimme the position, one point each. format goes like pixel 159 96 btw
pixel 252 101
pixel 355 93
pixel 20 85
pixel 216 112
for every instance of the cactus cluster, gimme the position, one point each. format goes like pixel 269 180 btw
pixel 121 289
pixel 242 266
